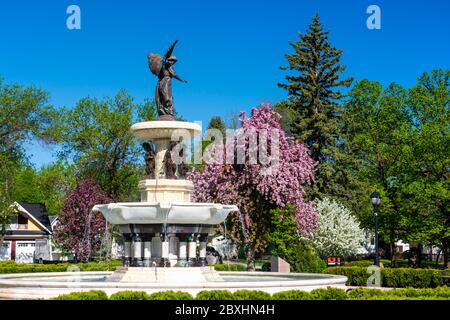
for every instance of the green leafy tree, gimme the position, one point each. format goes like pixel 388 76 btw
pixel 311 114
pixel 377 127
pixel 24 114
pixel 49 185
pixel 6 200
pixel 98 139
pixel 424 181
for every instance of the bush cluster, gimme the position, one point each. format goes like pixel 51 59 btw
pixel 392 277
pixel 441 293
pixel 87 295
pixel 229 267
pixel 13 267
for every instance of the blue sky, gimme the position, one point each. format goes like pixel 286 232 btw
pixel 229 51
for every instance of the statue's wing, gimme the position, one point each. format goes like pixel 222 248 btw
pixel 154 63
pixel 170 50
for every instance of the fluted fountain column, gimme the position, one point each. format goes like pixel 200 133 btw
pixel 137 250
pixel 182 250
pixel 147 244
pixel 203 238
pixel 164 250
pixel 192 250
pixel 127 250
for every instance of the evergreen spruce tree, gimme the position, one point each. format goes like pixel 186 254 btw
pixel 216 122
pixel 312 112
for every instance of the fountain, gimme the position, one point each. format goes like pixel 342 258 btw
pixel 165 226
pixel 160 232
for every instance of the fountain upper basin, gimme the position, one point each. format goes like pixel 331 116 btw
pixel 161 212
pixel 151 130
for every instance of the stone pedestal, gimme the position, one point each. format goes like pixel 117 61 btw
pixel 279 265
pixel 165 190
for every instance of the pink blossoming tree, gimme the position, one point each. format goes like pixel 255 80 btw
pixel 253 187
pixel 78 229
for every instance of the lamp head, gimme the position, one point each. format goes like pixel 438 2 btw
pixel 375 199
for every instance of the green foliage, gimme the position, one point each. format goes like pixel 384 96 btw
pixel 229 267
pixel 286 243
pixel 97 138
pixel 13 267
pixel 216 122
pixel 360 263
pixel 24 113
pixel 49 185
pixel 292 295
pixel 391 277
pixel 170 295
pixel 214 295
pixel 129 295
pixel 357 276
pixel 305 259
pixel 401 136
pixel 441 293
pixel 87 295
pixel 251 295
pixel 329 293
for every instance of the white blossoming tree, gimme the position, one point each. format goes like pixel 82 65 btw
pixel 339 233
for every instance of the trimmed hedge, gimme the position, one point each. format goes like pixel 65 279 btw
pixel 170 295
pixel 230 267
pixel 214 295
pixel 88 295
pixel 391 277
pixel 442 293
pixel 292 295
pixel 251 295
pixel 13 267
pixel 329 293
pixel 130 295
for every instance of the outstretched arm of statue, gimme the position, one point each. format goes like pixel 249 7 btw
pixel 179 79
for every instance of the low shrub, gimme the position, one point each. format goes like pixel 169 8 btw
pixel 407 277
pixel 129 295
pixel 229 267
pixel 13 267
pixel 391 277
pixel 364 294
pixel 292 295
pixel 86 295
pixel 359 263
pixel 170 295
pixel 329 293
pixel 215 295
pixel 251 295
pixel 442 293
pixel 357 276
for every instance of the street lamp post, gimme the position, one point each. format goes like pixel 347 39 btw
pixel 375 199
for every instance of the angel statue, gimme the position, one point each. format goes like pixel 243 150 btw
pixel 162 67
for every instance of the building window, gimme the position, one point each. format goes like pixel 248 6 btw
pixel 22 244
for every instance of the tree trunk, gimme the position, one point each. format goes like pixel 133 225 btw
pixel 446 256
pixel 251 258
pixel 2 235
pixel 419 255
pixel 437 258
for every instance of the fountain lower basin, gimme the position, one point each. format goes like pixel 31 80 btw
pixel 47 285
pixel 164 212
